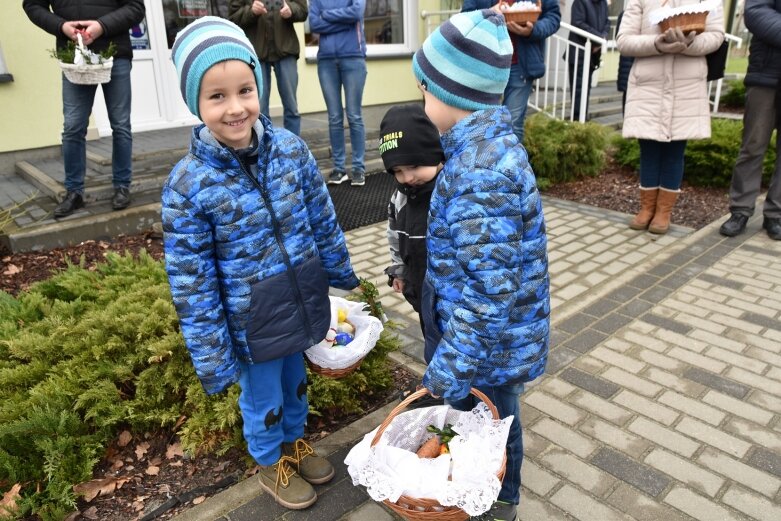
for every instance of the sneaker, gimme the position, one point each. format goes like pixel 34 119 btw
pixel 359 178
pixel 72 202
pixel 773 227
pixel 285 485
pixel 121 199
pixel 735 225
pixel 337 177
pixel 499 511
pixel 313 468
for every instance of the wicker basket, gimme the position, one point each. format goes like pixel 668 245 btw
pixel 424 509
pixel 87 74
pixel 523 16
pixel 687 22
pixel 333 373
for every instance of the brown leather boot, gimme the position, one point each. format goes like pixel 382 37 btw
pixel 664 208
pixel 312 467
pixel 647 208
pixel 286 486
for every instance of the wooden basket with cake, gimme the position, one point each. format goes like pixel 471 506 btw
pixel 521 12
pixel 687 18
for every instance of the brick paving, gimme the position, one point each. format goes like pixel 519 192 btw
pixel 662 396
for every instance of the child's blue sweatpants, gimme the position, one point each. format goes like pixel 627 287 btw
pixel 273 404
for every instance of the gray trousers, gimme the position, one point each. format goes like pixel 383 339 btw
pixel 759 120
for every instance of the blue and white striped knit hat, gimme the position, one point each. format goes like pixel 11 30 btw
pixel 465 62
pixel 203 43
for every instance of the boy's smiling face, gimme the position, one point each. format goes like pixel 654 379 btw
pixel 228 102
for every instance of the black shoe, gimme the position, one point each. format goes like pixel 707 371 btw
pixel 72 202
pixel 773 227
pixel 735 225
pixel 337 177
pixel 121 199
pixel 358 178
pixel 500 511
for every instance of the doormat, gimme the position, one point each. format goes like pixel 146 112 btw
pixel 358 206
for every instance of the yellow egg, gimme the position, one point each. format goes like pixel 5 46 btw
pixel 341 315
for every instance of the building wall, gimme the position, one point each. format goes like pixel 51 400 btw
pixel 31 105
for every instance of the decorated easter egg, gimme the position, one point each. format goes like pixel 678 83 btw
pixel 341 315
pixel 345 327
pixel 343 339
pixel 330 336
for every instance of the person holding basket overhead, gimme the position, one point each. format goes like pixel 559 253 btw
pixel 485 302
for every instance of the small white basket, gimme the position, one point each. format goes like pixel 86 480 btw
pixel 87 74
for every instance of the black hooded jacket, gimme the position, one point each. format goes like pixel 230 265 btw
pixel 116 17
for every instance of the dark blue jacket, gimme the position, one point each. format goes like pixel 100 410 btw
pixel 250 256
pixel 624 63
pixel 590 16
pixel 339 23
pixel 763 19
pixel 529 52
pixel 486 304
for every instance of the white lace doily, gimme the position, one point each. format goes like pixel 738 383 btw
pixel 392 468
pixel 663 13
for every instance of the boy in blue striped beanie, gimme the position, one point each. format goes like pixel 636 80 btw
pixel 485 304
pixel 251 247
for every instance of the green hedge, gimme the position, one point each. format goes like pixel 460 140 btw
pixel 707 162
pixel 89 353
pixel 562 151
pixel 734 95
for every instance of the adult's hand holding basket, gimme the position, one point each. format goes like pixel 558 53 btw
pixel 81 72
pixel 465 482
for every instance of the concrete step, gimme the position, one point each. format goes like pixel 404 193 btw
pixel 597 110
pixel 614 121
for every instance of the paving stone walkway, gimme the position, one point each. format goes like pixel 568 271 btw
pixel 662 396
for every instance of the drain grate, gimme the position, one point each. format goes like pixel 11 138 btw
pixel 358 206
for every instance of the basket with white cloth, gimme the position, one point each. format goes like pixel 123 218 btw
pixel 87 68
pixel 336 359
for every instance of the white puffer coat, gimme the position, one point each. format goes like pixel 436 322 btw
pixel 667 96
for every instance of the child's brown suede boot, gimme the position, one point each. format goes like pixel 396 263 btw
pixel 313 468
pixel 288 488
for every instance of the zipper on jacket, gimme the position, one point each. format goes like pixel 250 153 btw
pixel 286 257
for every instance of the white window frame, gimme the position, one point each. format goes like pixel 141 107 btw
pixel 411 23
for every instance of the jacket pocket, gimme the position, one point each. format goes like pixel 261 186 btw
pixel 289 312
pixel 428 312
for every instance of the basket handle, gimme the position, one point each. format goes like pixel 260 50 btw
pixel 419 394
pixel 80 41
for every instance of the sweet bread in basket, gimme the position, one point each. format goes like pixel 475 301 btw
pixel 519 12
pixel 444 485
pixel 353 333
pixel 687 18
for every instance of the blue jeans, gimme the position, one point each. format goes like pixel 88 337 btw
pixel 516 98
pixel 350 74
pixel 286 75
pixel 661 164
pixel 506 398
pixel 77 103
pixel 270 390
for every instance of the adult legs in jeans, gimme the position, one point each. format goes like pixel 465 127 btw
pixel 516 98
pixel 759 120
pixel 286 75
pixel 350 73
pixel 507 401
pixel 661 164
pixel 117 94
pixel 76 107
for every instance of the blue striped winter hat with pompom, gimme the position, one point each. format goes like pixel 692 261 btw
pixel 465 62
pixel 203 43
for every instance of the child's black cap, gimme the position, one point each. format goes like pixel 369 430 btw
pixel 409 138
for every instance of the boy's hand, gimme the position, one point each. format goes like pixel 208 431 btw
pixel 285 12
pixel 521 29
pixel 398 285
pixel 258 8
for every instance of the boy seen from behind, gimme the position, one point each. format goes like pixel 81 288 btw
pixel 251 247
pixel 485 303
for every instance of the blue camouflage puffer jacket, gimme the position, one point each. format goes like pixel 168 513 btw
pixel 250 268
pixel 486 303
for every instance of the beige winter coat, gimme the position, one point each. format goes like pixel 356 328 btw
pixel 667 96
